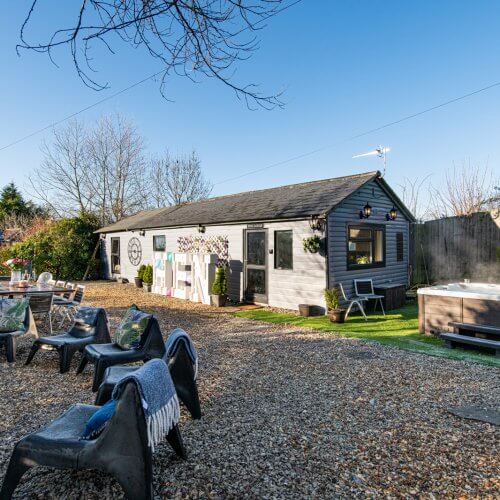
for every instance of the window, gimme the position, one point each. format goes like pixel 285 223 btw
pixel 159 243
pixel 115 255
pixel 365 247
pixel 283 250
pixel 399 247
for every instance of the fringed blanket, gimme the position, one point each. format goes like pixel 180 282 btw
pixel 158 397
pixel 179 335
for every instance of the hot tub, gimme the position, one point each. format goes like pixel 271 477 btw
pixel 477 303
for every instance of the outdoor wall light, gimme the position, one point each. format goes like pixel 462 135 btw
pixel 201 228
pixel 366 212
pixel 316 223
pixel 142 232
pixel 392 214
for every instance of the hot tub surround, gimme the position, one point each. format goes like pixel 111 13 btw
pixel 476 303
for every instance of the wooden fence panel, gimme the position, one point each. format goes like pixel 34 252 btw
pixel 454 248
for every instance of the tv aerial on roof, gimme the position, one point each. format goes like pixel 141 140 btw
pixel 381 152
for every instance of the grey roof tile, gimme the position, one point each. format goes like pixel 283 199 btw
pixel 285 202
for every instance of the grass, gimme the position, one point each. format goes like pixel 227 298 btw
pixel 398 328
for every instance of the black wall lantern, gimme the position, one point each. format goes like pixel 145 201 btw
pixel 201 228
pixel 393 213
pixel 316 223
pixel 366 212
pixel 142 232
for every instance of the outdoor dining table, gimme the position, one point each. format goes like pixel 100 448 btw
pixel 9 290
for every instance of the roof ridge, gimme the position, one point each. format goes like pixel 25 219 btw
pixel 286 186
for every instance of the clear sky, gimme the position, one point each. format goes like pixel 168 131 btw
pixel 346 67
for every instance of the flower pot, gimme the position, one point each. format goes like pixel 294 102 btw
pixel 337 315
pixel 218 300
pixel 138 282
pixel 147 287
pixel 305 310
pixel 15 276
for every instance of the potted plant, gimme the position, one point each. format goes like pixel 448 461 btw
pixel 312 244
pixel 16 266
pixel 139 278
pixel 335 312
pixel 147 277
pixel 219 287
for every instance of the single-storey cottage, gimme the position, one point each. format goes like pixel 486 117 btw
pixel 283 246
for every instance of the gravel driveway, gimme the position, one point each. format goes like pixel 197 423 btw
pixel 287 414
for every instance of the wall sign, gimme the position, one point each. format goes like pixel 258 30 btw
pixel 255 226
pixel 134 251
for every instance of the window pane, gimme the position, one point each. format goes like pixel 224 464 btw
pixel 360 252
pixel 256 248
pixel 256 281
pixel 284 249
pixel 360 233
pixel 159 243
pixel 115 245
pixel 379 246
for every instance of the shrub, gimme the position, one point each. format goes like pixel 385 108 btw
pixel 219 286
pixel 63 248
pixel 140 271
pixel 332 299
pixel 147 275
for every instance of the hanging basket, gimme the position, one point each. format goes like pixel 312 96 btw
pixel 312 244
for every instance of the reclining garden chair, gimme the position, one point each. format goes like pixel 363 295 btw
pixel 352 301
pixel 90 326
pixel 181 359
pixel 104 355
pixel 364 290
pixel 9 339
pixel 121 449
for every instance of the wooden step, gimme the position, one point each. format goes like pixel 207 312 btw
pixel 453 339
pixel 471 328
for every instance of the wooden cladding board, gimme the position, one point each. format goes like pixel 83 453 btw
pixel 435 312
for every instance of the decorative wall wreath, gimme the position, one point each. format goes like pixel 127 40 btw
pixel 134 251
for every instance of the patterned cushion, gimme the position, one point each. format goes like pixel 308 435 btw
pixel 12 314
pixel 131 328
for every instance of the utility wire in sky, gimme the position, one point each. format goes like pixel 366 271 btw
pixel 140 82
pixel 362 134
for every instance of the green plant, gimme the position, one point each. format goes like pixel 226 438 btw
pixel 147 275
pixel 312 244
pixel 140 271
pixel 219 286
pixel 332 299
pixel 63 248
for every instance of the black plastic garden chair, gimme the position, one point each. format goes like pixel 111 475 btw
pixel 9 339
pixel 104 355
pixel 121 449
pixel 90 326
pixel 182 372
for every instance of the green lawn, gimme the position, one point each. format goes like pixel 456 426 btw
pixel 398 328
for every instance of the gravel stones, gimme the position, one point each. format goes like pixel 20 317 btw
pixel 288 413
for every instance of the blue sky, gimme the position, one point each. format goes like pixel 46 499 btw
pixel 346 67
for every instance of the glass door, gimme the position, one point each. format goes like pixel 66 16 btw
pixel 256 265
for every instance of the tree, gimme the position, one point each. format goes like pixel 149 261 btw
pixel 467 190
pixel 17 213
pixel 189 37
pixel 411 195
pixel 96 170
pixel 173 181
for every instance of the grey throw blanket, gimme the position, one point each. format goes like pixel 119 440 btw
pixel 179 335
pixel 158 397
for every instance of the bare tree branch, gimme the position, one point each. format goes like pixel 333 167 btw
pixel 468 189
pixel 190 38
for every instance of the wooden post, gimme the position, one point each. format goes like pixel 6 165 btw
pixel 91 259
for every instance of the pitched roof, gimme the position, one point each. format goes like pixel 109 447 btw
pixel 294 201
